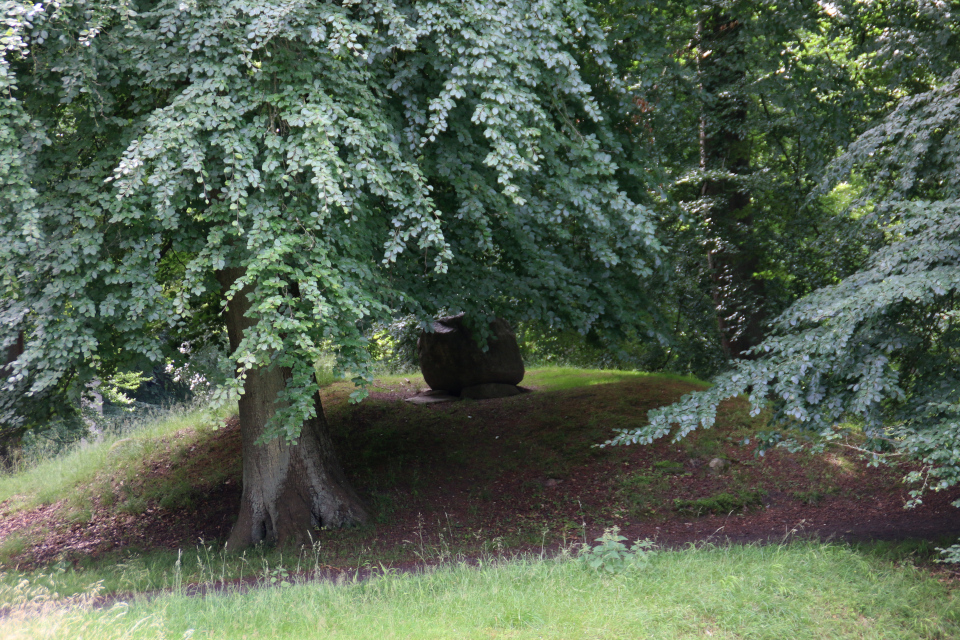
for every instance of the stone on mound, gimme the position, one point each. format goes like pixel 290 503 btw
pixel 451 361
pixel 489 390
pixel 431 397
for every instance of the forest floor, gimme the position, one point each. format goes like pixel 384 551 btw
pixel 505 475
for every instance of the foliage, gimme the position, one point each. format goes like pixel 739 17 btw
pixel 643 493
pixel 783 92
pixel 612 556
pixel 543 346
pixel 809 78
pixel 356 160
pixel 393 345
pixel 882 345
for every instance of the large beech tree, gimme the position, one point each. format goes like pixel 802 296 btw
pixel 294 171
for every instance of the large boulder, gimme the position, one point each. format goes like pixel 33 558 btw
pixel 451 361
pixel 489 390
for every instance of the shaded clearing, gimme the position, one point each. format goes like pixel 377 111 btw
pixel 511 473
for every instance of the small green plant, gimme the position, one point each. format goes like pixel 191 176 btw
pixel 279 577
pixel 811 497
pixel 706 445
pixel 80 515
pixel 718 504
pixel 642 493
pixel 384 506
pixel 613 556
pixel 133 506
pixel 177 496
pixel 13 545
pixel 669 466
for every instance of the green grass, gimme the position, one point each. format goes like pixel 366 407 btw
pixel 797 591
pixel 56 478
pixel 13 545
pixel 162 569
pixel 560 378
pixel 542 378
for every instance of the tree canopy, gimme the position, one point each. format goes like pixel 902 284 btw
pixel 355 159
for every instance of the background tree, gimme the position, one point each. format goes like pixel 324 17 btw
pixel 315 167
pixel 881 349
pixel 741 106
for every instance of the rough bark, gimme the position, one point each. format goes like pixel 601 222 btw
pixel 289 490
pixel 732 259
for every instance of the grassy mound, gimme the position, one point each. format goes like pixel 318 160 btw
pixel 442 481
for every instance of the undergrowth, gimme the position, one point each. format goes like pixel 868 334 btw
pixel 51 479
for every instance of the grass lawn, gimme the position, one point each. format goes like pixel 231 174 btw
pixel 801 590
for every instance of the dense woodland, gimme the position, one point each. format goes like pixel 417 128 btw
pixel 763 193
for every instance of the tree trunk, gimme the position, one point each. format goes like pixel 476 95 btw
pixel 289 490
pixel 14 351
pixel 732 259
pixel 10 435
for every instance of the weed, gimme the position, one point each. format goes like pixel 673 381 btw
pixel 720 503
pixel 669 466
pixel 613 556
pixel 13 545
pixel 134 506
pixel 383 506
pixel 533 487
pixel 81 515
pixel 642 493
pixel 278 576
pixel 107 497
pixel 811 496
pixel 554 466
pixel 703 445
pixel 177 496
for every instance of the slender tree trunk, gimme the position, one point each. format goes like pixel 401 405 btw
pixel 732 259
pixel 10 434
pixel 289 490
pixel 14 351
